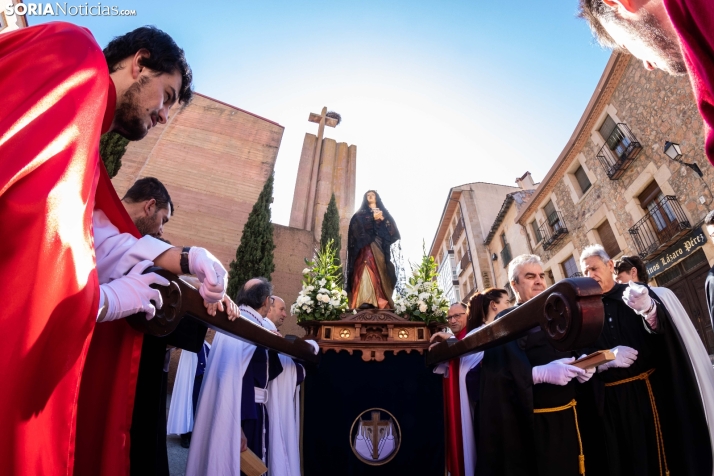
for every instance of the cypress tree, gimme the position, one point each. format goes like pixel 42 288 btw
pixel 331 229
pixel 111 149
pixel 254 256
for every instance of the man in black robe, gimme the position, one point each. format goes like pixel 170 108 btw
pixel 528 417
pixel 651 408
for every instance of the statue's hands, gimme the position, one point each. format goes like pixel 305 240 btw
pixel 377 214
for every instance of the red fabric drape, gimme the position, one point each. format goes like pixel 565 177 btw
pixel 693 20
pixel 365 259
pixel 57 99
pixel 106 397
pixel 452 417
pixel 54 81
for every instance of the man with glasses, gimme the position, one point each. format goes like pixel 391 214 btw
pixel 460 444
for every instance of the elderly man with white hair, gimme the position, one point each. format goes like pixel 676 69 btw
pixel 652 412
pixel 528 418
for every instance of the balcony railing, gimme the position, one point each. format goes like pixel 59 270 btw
pixel 620 149
pixel 663 224
pixel 577 274
pixel 553 230
pixel 458 230
pixel 465 260
pixel 506 255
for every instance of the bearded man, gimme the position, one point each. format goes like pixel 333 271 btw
pixel 72 242
pixel 675 36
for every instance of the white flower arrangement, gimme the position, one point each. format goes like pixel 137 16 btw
pixel 322 297
pixel 423 299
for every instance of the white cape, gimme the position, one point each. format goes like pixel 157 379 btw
pixel 698 354
pixel 215 443
pixel 284 414
pixel 466 363
pixel 180 418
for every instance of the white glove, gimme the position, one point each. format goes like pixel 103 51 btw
pixel 131 293
pixel 624 357
pixel 587 375
pixel 557 372
pixel 210 272
pixel 637 297
pixel 315 347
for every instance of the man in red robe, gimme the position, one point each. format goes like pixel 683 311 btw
pixel 59 95
pixel 456 319
pixel 672 35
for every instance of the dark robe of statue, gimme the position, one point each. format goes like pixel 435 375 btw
pixel 371 275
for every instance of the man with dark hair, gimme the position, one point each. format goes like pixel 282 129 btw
pixel 630 268
pixel 73 242
pixel 672 35
pixel 149 205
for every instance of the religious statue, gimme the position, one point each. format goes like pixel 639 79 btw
pixel 371 275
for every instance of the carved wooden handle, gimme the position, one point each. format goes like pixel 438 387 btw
pixel 569 312
pixel 181 299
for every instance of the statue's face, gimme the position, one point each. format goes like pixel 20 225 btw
pixel 371 198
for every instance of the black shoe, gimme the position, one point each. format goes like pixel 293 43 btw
pixel 185 440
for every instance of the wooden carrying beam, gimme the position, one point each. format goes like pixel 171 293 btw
pixel 569 312
pixel 181 299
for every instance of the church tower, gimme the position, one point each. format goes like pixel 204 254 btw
pixel 326 167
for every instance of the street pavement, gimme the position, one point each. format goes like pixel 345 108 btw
pixel 177 454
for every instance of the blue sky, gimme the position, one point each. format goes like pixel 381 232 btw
pixel 434 94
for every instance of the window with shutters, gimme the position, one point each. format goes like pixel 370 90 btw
pixel 582 179
pixel 664 222
pixel 570 268
pixel 608 240
pixel 620 149
pixel 536 231
pixel 549 210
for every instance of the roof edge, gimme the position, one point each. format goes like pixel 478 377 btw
pixel 238 109
pixel 615 57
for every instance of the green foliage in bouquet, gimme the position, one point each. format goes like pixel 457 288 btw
pixel 322 297
pixel 423 299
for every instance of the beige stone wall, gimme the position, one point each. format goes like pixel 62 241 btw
pixel 515 237
pixel 479 203
pixel 656 107
pixel 214 160
pixel 292 247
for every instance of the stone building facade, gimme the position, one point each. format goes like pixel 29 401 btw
pixel 458 247
pixel 507 239
pixel 613 185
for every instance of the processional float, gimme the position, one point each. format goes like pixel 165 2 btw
pixel 371 406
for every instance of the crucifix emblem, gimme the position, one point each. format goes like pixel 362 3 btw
pixel 375 440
